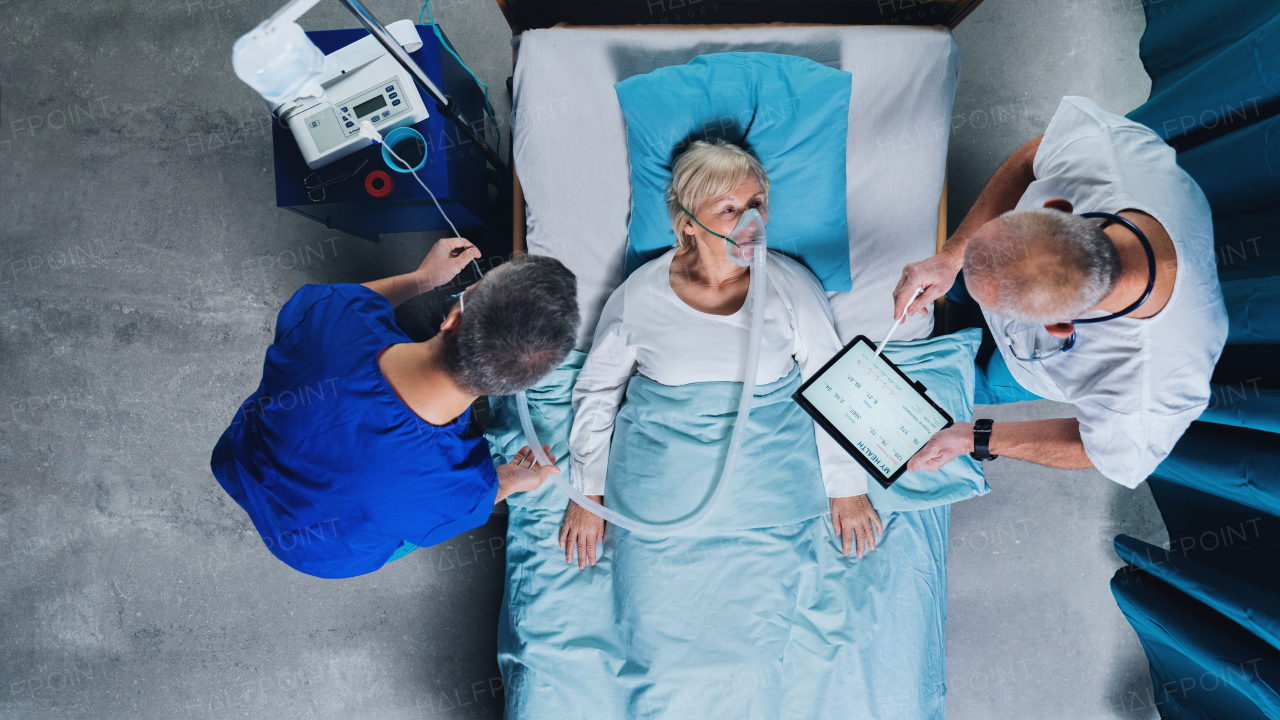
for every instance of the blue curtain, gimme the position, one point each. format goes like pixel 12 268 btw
pixel 1229 83
pixel 1207 610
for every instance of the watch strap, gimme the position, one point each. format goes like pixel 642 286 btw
pixel 982 440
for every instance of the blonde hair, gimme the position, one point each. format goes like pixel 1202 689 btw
pixel 703 172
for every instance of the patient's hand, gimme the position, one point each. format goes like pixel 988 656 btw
pixel 854 516
pixel 583 531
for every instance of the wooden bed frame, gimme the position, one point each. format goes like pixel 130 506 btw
pixel 524 15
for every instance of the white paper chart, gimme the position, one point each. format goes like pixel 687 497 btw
pixel 872 406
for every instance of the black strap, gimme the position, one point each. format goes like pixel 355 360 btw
pixel 479 418
pixel 982 440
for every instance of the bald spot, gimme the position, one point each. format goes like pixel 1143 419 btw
pixel 1030 273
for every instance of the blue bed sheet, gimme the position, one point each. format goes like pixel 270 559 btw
pixel 752 622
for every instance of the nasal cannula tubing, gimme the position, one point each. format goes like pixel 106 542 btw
pixel 756 296
pixel 898 321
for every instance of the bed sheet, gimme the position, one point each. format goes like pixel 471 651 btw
pixel 570 147
pixel 763 622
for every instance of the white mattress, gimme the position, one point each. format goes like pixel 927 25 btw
pixel 571 147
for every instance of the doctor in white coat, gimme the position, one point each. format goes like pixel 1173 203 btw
pixel 1091 254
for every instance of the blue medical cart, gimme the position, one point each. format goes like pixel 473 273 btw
pixel 455 168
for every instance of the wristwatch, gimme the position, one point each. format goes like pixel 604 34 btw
pixel 982 441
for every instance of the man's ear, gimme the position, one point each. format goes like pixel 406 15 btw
pixel 1059 204
pixel 451 320
pixel 1060 330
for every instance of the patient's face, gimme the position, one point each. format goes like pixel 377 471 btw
pixel 722 213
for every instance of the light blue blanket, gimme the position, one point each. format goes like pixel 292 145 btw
pixel 768 620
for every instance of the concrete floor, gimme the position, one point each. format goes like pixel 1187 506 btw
pixel 142 262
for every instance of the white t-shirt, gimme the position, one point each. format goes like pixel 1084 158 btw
pixel 1136 383
pixel 646 328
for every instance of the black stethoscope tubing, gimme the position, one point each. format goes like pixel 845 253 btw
pixel 1151 268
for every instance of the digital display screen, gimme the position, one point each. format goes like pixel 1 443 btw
pixel 375 103
pixel 877 411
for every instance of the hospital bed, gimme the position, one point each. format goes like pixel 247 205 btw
pixel 569 150
pixel 569 147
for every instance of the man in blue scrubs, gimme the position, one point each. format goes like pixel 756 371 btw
pixel 357 446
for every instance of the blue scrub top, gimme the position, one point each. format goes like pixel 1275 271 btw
pixel 333 468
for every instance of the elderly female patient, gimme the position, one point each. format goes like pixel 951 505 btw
pixel 681 319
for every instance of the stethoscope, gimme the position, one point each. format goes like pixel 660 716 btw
pixel 1151 283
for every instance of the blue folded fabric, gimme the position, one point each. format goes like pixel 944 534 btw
pixel 1234 87
pixel 1253 311
pixel 1202 664
pixel 792 112
pixel 1182 36
pixel 1239 172
pixel 1243 404
pixel 1253 608
pixel 1236 464
pixel 946 367
pixel 1247 244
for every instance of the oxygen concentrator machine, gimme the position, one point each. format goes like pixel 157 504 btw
pixel 364 82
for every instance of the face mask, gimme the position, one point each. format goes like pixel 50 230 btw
pixel 747 236
pixel 746 239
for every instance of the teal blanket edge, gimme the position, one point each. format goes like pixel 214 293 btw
pixel 944 364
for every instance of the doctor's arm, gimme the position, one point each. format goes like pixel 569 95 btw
pixel 444 261
pixel 1054 443
pixel 937 274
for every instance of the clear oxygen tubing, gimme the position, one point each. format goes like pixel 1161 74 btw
pixel 368 130
pixel 750 251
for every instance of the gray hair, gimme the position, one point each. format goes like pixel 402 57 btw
pixel 519 324
pixel 703 172
pixel 1043 266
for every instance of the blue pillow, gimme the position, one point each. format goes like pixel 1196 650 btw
pixel 946 367
pixel 792 112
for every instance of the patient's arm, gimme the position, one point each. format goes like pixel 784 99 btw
pixel 936 274
pixel 601 385
pixel 816 342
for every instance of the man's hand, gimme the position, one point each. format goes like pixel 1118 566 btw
pixel 935 274
pixel 447 258
pixel 944 447
pixel 520 475
pixel 582 531
pixel 938 273
pixel 854 516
